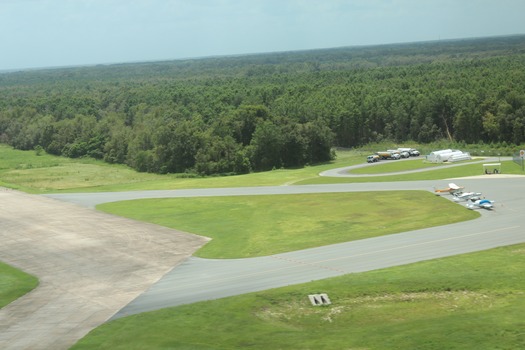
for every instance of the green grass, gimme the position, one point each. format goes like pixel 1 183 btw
pixel 247 226
pixel 14 283
pixel 444 172
pixel 25 171
pixel 392 166
pixel 462 302
pixel 470 301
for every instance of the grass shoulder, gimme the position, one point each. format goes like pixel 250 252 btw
pixel 457 302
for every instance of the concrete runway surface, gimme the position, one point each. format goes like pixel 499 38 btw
pixel 89 265
pixel 94 267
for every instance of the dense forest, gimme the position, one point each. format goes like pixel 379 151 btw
pixel 238 114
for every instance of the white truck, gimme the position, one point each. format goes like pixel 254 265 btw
pixel 411 151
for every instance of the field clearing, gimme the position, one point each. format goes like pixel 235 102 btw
pixel 25 171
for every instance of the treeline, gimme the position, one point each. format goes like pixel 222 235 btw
pixel 160 140
pixel 252 113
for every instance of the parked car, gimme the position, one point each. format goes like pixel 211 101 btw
pixel 373 158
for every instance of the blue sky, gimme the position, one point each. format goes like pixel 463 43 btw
pixel 48 33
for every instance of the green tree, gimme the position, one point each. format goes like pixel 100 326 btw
pixel 176 146
pixel 266 146
pixel 220 156
pixel 244 121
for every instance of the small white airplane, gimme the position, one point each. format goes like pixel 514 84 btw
pixel 465 196
pixel 481 203
pixel 452 188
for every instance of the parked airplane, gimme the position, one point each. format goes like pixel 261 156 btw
pixel 481 203
pixel 465 196
pixel 452 188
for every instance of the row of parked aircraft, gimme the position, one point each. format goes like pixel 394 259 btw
pixel 473 199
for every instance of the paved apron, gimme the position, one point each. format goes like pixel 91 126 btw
pixel 89 265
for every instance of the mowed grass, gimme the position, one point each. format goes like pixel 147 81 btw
pixel 439 172
pixel 392 166
pixel 14 283
pixel 25 171
pixel 471 301
pixel 248 226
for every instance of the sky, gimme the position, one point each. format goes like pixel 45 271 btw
pixel 54 33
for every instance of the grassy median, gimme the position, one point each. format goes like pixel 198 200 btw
pixel 14 283
pixel 248 226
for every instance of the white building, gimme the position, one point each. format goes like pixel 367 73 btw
pixel 448 155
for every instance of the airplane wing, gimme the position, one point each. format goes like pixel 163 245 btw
pixel 453 186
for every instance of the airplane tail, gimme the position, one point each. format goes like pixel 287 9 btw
pixel 437 190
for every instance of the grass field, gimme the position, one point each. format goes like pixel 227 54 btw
pixel 248 226
pixel 388 166
pixel 26 171
pixel 443 172
pixel 14 283
pixel 463 302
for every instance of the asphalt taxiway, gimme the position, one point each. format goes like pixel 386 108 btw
pixel 202 279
